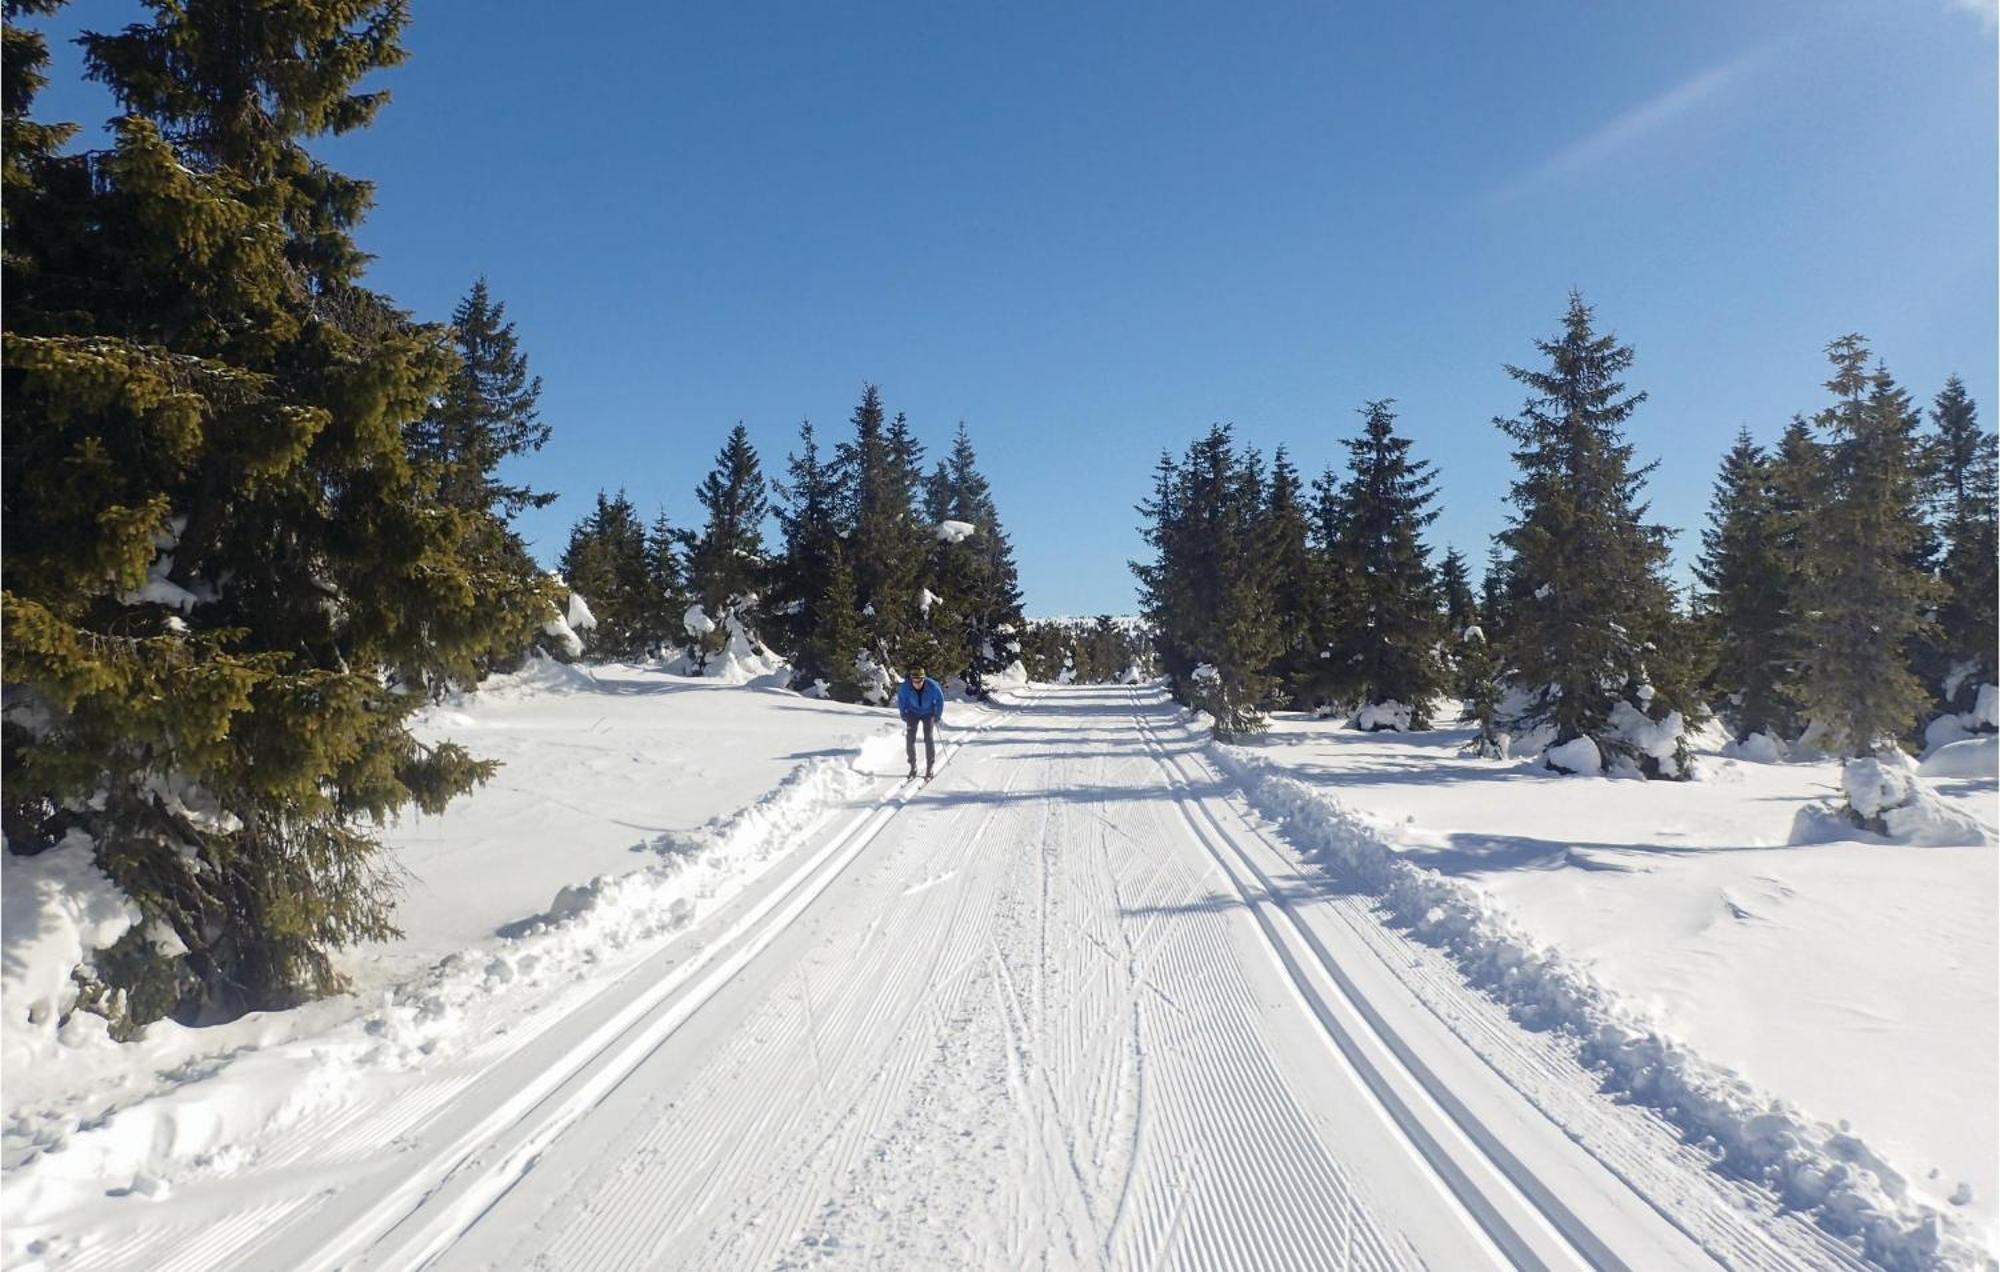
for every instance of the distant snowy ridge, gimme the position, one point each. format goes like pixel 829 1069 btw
pixel 1810 1166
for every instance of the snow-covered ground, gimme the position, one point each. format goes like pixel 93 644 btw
pixel 695 982
pixel 1857 979
pixel 603 769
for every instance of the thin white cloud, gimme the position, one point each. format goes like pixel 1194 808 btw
pixel 1987 11
pixel 1628 129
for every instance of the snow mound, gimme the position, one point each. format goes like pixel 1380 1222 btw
pixel 1886 795
pixel 1813 1167
pixel 1578 757
pixel 1658 740
pixel 56 909
pixel 1758 748
pixel 1379 716
pixel 1971 757
pixel 956 531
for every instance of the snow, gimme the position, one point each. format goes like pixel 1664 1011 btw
pixel 1383 715
pixel 1578 756
pixel 608 826
pixel 1852 978
pixel 694 980
pixel 697 622
pixel 1973 757
pixel 579 616
pixel 926 599
pixel 1886 794
pixel 956 531
pixel 56 908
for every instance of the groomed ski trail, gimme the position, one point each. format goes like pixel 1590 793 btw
pixel 1070 1005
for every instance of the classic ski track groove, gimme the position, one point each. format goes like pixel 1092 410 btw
pixel 1734 1222
pixel 1070 1017
pixel 1482 1197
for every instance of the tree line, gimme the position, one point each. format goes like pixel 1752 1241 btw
pixel 879 565
pixel 1846 596
pixel 256 517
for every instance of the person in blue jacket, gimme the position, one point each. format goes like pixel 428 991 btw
pixel 921 701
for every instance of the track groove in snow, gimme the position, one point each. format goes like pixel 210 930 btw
pixel 1072 1005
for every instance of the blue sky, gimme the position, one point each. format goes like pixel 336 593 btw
pixel 1091 230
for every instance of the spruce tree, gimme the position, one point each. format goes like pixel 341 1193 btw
pixel 1748 602
pixel 1208 588
pixel 886 545
pixel 1284 532
pixel 1323 683
pixel 666 596
pixel 487 413
pixel 607 562
pixel 227 585
pixel 809 512
pixel 1962 456
pixel 1587 599
pixel 1461 610
pixel 979 612
pixel 1864 596
pixel 725 562
pixel 1385 647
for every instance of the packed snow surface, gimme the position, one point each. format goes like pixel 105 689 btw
pixel 1102 995
pixel 1854 976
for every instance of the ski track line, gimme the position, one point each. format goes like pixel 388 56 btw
pixel 911 1193
pixel 641 1225
pixel 1735 1222
pixel 1503 1183
pixel 407 1198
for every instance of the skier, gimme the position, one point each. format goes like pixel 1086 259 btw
pixel 921 701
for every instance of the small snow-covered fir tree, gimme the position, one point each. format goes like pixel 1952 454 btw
pixel 607 561
pixel 725 561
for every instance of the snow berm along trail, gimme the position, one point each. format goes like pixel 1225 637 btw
pixel 1074 1004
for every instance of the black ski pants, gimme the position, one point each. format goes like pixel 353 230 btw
pixel 910 724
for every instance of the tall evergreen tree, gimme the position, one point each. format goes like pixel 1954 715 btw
pixel 666 595
pixel 1461 610
pixel 1385 648
pixel 725 562
pixel 1962 458
pixel 487 413
pixel 1748 602
pixel 1587 594
pixel 809 516
pixel 608 563
pixel 978 613
pixel 1285 533
pixel 1864 595
pixel 224 573
pixel 1207 589
pixel 886 545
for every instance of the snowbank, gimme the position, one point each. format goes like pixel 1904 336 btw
pixel 1886 795
pixel 1578 756
pixel 1813 1167
pixel 243 1107
pixel 1972 757
pixel 1377 716
pixel 56 909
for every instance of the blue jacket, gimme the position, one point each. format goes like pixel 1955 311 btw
pixel 916 704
